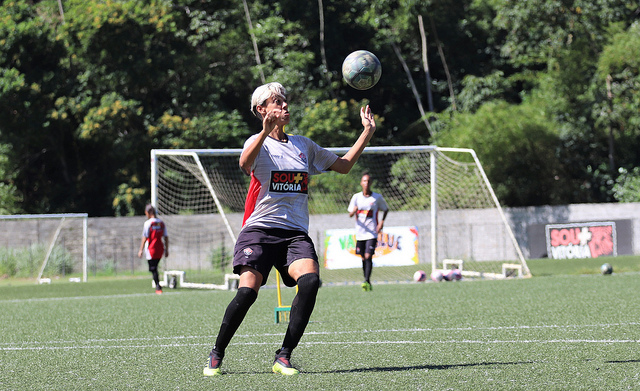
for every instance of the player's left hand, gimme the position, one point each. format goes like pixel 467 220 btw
pixel 367 118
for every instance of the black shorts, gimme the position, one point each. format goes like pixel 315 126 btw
pixel 366 246
pixel 263 248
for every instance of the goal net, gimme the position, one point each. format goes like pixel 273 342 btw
pixel 44 246
pixel 443 214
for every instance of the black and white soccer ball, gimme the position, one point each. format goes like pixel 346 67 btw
pixel 361 69
pixel 606 268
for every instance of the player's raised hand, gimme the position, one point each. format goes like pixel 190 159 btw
pixel 270 119
pixel 367 118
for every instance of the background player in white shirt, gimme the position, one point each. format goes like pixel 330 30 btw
pixel 276 220
pixel 366 206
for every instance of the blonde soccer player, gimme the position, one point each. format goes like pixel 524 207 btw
pixel 276 220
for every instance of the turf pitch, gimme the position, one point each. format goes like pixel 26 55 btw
pixel 567 332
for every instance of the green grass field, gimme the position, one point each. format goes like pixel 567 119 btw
pixel 567 331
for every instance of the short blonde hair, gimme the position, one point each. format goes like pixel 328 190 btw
pixel 264 92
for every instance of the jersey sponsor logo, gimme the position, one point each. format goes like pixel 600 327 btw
pixel 366 213
pixel 247 252
pixel 157 226
pixel 289 182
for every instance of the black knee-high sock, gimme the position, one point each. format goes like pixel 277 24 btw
pixel 367 266
pixel 156 279
pixel 233 316
pixel 301 309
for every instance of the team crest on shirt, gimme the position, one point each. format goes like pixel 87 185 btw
pixel 247 252
pixel 303 157
pixel 289 182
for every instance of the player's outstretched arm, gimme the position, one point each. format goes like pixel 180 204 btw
pixel 345 163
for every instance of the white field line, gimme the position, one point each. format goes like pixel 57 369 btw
pixel 183 341
pixel 560 341
pixel 19 301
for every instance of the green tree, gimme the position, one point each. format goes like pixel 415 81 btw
pixel 617 85
pixel 30 83
pixel 83 102
pixel 336 124
pixel 9 197
pixel 627 186
pixel 102 87
pixel 548 44
pixel 517 146
pixel 539 30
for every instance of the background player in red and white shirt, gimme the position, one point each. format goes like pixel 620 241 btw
pixel 276 220
pixel 154 244
pixel 366 206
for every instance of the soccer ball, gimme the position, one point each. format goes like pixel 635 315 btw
pixel 454 275
pixel 419 276
pixel 361 70
pixel 436 276
pixel 606 269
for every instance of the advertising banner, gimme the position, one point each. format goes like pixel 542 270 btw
pixel 581 240
pixel 397 246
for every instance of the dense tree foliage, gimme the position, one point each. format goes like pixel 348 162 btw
pixel 546 91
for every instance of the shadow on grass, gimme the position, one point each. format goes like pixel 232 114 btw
pixel 418 367
pixel 388 369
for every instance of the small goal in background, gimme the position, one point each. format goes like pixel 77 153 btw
pixel 45 246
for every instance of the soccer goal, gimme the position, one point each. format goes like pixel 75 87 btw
pixel 443 214
pixel 45 246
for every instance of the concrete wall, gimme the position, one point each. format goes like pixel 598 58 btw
pixel 197 240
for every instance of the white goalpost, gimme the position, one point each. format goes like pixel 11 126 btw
pixel 45 245
pixel 443 214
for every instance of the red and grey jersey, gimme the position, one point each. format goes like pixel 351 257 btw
pixel 154 230
pixel 367 216
pixel 278 192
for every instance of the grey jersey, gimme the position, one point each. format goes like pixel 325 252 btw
pixel 278 193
